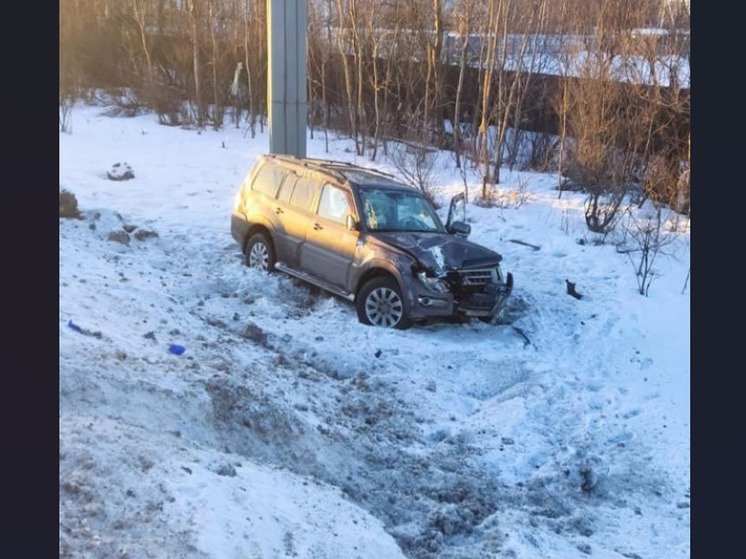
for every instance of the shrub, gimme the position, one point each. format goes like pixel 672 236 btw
pixel 68 205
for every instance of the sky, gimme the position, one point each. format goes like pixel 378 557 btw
pixel 288 429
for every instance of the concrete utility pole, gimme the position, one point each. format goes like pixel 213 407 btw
pixel 287 23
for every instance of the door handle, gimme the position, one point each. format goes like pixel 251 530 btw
pixel 278 210
pixel 317 227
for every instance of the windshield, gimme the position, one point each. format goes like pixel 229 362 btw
pixel 396 210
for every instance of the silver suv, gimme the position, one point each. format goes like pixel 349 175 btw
pixel 360 234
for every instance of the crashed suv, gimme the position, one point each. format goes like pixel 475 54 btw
pixel 360 234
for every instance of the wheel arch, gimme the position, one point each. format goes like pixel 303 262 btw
pixel 375 271
pixel 253 229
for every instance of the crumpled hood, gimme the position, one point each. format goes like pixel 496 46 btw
pixel 440 251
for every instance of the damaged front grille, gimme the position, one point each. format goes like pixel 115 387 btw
pixel 476 291
pixel 471 278
pixel 466 282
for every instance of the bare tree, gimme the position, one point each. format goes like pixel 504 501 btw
pixel 69 69
pixel 384 66
pixel 345 40
pixel 599 161
pixel 217 109
pixel 513 85
pixel 139 11
pixel 644 239
pixel 377 83
pixel 416 164
pixel 255 57
pixel 566 55
pixel 464 11
pixel 598 165
pixel 195 16
pixel 433 46
pixel 325 63
pixel 495 10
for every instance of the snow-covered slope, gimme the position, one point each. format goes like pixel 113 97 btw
pixel 288 429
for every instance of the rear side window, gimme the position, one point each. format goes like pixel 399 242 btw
pixel 267 180
pixel 287 187
pixel 304 193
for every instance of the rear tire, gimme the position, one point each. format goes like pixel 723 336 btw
pixel 380 303
pixel 260 253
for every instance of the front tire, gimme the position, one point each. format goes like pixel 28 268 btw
pixel 260 253
pixel 380 303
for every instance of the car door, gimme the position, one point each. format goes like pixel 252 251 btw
pixel 293 208
pixel 329 250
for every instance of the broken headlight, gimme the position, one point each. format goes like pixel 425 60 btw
pixel 433 284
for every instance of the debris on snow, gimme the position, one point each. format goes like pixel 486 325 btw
pixel 226 470
pixel 120 236
pixel 176 349
pixel 254 333
pixel 142 234
pixel 571 290
pixel 84 331
pixel 120 172
pixel 524 243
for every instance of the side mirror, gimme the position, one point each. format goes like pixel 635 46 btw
pixel 457 206
pixel 351 223
pixel 460 229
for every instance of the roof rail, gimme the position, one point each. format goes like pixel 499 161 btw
pixel 345 163
pixel 323 165
pixel 311 164
pixel 354 166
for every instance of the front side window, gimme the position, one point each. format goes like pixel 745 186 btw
pixel 334 204
pixel 396 210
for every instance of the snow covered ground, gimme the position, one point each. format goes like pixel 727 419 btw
pixel 288 429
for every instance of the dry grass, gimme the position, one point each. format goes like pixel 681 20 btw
pixel 68 205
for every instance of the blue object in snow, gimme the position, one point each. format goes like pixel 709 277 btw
pixel 176 349
pixel 74 326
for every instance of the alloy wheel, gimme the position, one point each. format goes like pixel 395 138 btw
pixel 384 307
pixel 259 256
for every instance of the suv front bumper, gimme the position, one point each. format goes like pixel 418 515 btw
pixel 485 303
